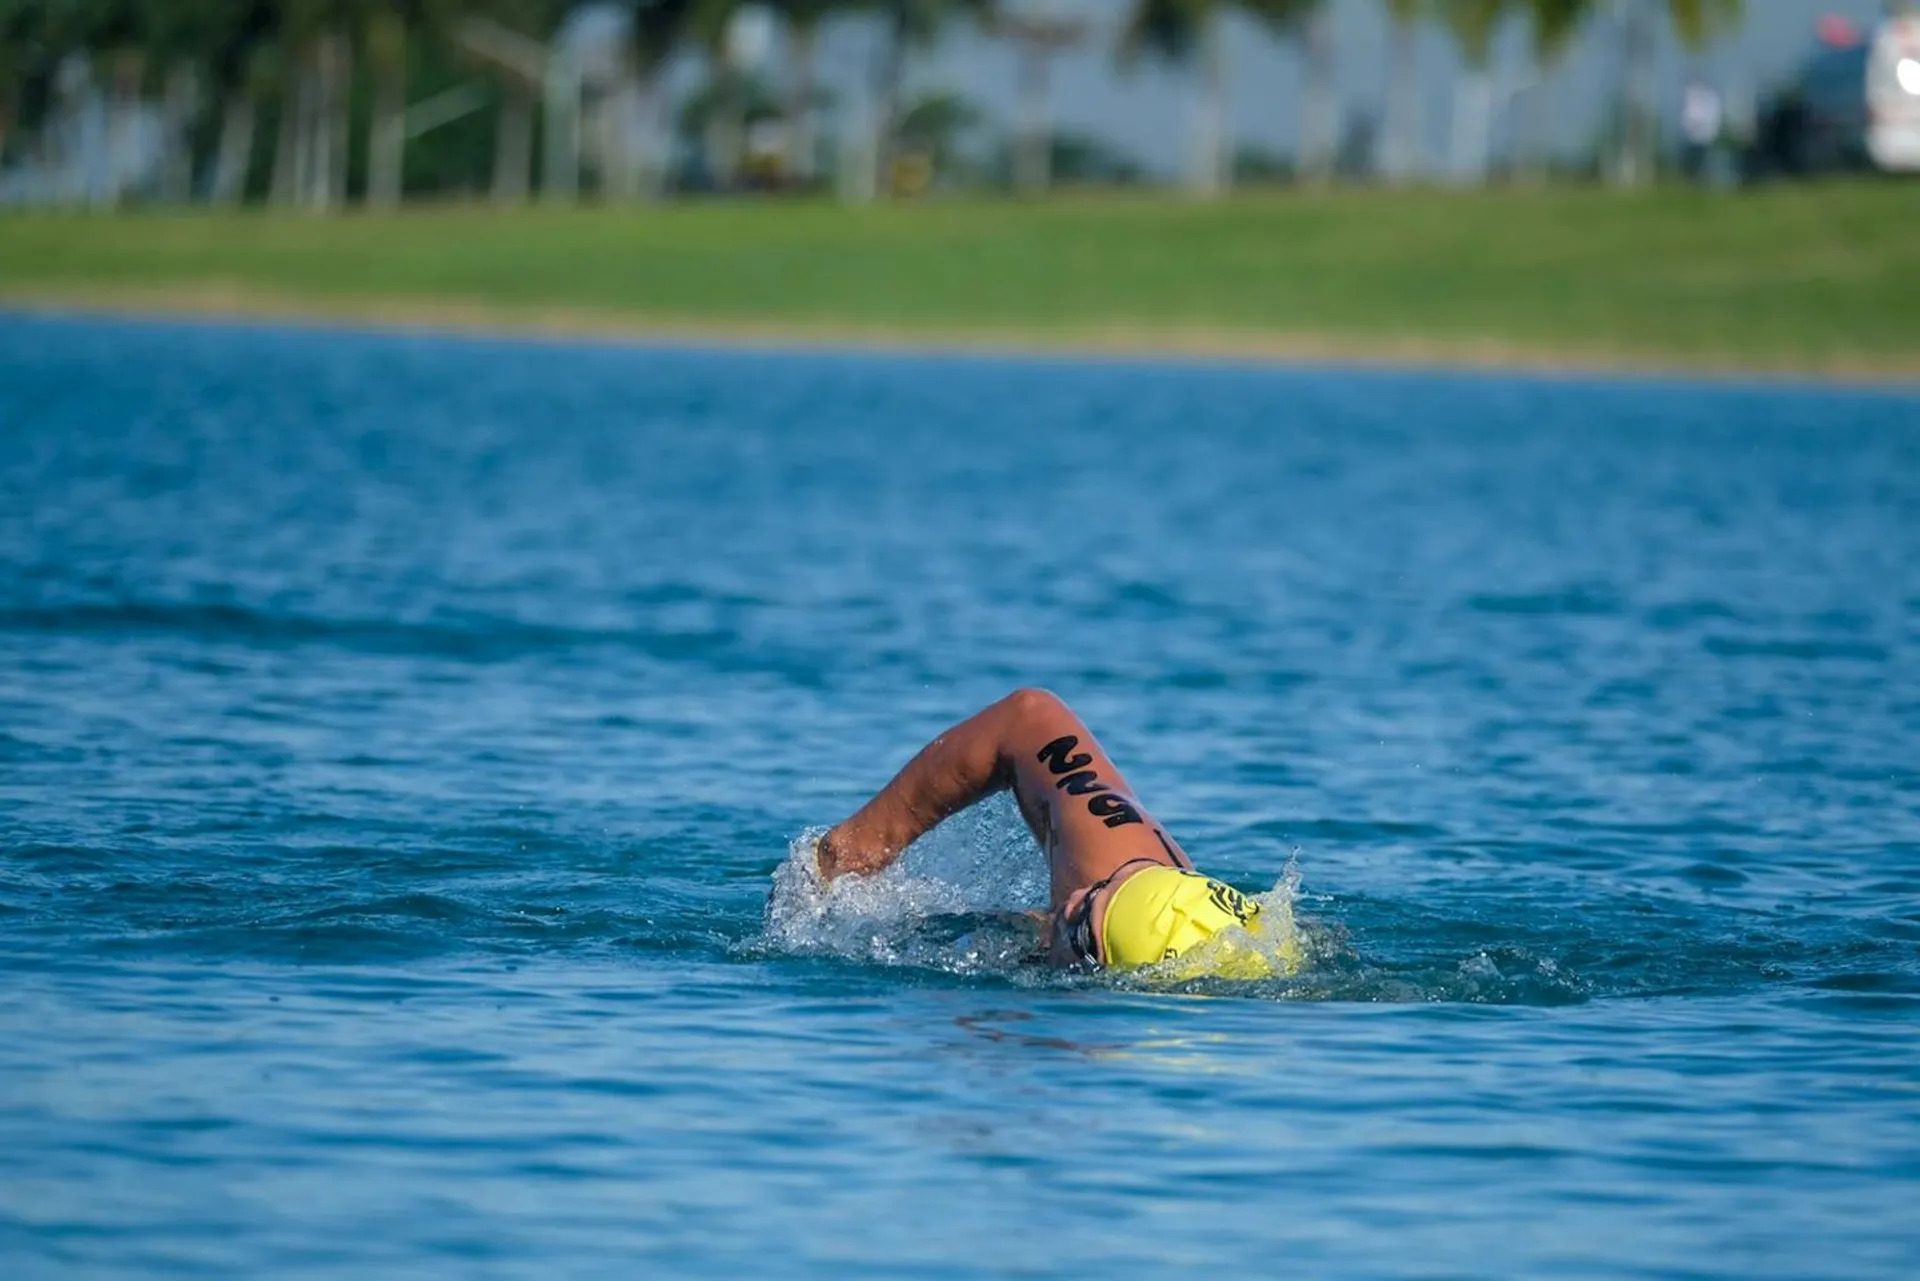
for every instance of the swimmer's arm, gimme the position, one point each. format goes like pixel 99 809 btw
pixel 967 763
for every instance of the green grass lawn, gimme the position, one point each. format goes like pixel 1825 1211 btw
pixel 1811 279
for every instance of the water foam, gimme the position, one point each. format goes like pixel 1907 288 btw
pixel 966 900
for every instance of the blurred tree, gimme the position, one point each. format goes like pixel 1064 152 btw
pixel 933 131
pixel 1695 22
pixel 1182 32
pixel 1087 160
pixel 1037 37
pixel 387 27
pixel 1256 165
pixel 1555 24
pixel 235 40
pixel 521 83
pixel 804 18
pixel 1319 105
pixel 731 87
pixel 117 34
pixel 751 101
pixel 660 27
pixel 1400 153
pixel 1473 24
pixel 315 56
pixel 179 38
pixel 905 25
pixel 285 57
pixel 24 28
pixel 335 23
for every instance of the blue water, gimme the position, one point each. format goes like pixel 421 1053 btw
pixel 399 738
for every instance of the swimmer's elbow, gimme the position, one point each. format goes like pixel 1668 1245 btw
pixel 1033 705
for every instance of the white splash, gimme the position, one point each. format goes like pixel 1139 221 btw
pixel 853 916
pixel 960 900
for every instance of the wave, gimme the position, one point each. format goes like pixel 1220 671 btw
pixel 477 637
pixel 1796 649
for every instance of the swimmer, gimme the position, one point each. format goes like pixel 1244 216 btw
pixel 1124 894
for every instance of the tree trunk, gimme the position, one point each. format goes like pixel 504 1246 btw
pixel 329 121
pixel 1212 167
pixel 1401 162
pixel 620 177
pixel 178 107
pixel 340 127
pixel 657 129
pixel 1472 125
pixel 316 152
pixel 725 132
pixel 387 132
pixel 738 139
pixel 1320 109
pixel 1033 160
pixel 1531 134
pixel 513 145
pixel 561 157
pixel 800 137
pixel 1635 164
pixel 129 72
pixel 889 72
pixel 235 154
pixel 10 93
pixel 288 161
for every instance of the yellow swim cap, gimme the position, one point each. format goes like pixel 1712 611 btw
pixel 1160 914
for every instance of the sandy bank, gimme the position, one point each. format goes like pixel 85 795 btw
pixel 226 302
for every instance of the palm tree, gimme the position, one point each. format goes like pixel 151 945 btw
pixel 1177 32
pixel 804 19
pixel 711 28
pixel 1180 32
pixel 285 66
pixel 202 46
pixel 906 25
pixel 514 42
pixel 23 29
pixel 118 32
pixel 1319 105
pixel 314 54
pixel 384 32
pixel 1473 24
pixel 213 45
pixel 1400 155
pixel 1555 24
pixel 234 46
pixel 659 27
pixel 934 127
pixel 388 28
pixel 1695 22
pixel 333 98
pixel 1038 38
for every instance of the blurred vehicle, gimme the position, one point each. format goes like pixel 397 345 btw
pixel 1856 104
pixel 1893 96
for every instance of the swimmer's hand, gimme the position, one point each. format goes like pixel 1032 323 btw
pixel 837 854
pixel 826 857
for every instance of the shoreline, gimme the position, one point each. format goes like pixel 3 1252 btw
pixel 217 303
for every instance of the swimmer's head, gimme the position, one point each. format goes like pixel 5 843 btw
pixel 1165 914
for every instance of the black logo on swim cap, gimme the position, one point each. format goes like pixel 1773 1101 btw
pixel 1232 901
